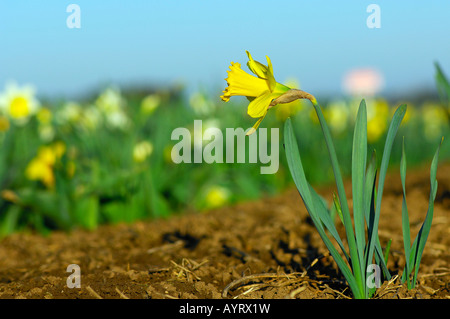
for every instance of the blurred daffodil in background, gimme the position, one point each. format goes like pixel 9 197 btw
pixel 142 151
pixel 377 119
pixel 150 103
pixel 112 105
pixel 45 128
pixel 337 114
pixel 41 167
pixel 44 116
pixel 69 113
pixel 216 196
pixel 260 89
pixel 201 104
pixel 435 120
pixel 91 118
pixel 19 102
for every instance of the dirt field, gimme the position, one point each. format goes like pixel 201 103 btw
pixel 262 249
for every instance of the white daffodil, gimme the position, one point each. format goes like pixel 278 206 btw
pixel 19 103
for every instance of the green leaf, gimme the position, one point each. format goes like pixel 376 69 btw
pixel 298 175
pixel 373 226
pixel 359 159
pixel 325 218
pixel 387 250
pixel 356 265
pixel 405 220
pixel 424 231
pixel 8 222
pixel 87 211
pixel 442 84
pixel 369 202
pixel 337 206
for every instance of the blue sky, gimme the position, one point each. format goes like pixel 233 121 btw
pixel 167 41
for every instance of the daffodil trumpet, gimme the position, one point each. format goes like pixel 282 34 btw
pixel 262 90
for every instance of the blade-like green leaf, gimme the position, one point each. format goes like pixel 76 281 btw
pixel 359 159
pixel 373 228
pixel 298 175
pixel 386 251
pixel 356 265
pixel 405 219
pixel 369 202
pixel 337 206
pixel 370 189
pixel 325 218
pixel 422 236
pixel 442 84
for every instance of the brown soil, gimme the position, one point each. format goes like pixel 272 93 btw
pixel 263 249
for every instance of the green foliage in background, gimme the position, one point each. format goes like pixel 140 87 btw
pixel 107 159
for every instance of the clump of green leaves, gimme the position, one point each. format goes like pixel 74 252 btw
pixel 364 248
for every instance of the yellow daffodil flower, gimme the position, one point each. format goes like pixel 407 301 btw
pixel 216 196
pixel 150 103
pixel 141 151
pixel 44 116
pixel 377 119
pixel 37 169
pixel 260 89
pixel 41 167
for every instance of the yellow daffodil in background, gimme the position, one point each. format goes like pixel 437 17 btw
pixel 434 120
pixel 150 103
pixel 377 119
pixel 44 116
pixel 216 196
pixel 142 151
pixel 260 89
pixel 19 103
pixel 38 170
pixel 201 104
pixel 337 114
pixel 45 128
pixel 41 167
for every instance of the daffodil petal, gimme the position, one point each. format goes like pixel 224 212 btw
pixel 256 125
pixel 256 67
pixel 269 77
pixel 258 107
